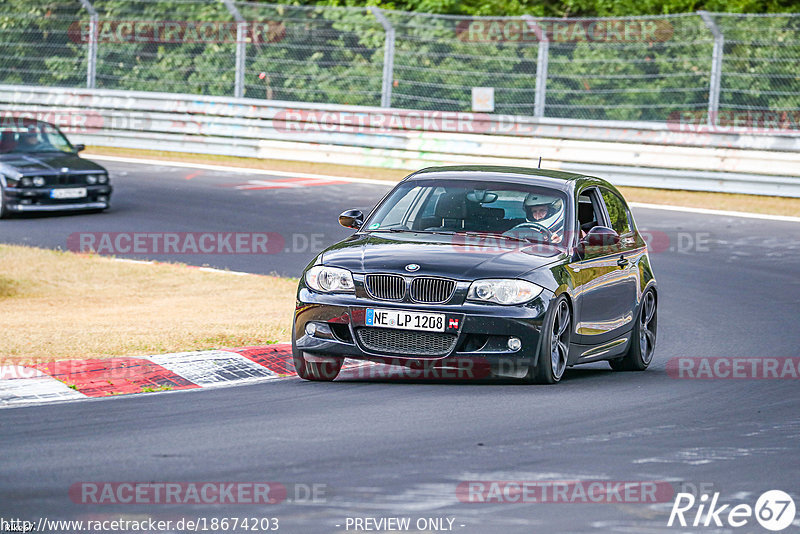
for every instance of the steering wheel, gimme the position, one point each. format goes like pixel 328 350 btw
pixel 542 229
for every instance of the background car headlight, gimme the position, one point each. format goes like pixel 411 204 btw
pixel 91 179
pixel 330 279
pixel 25 181
pixel 503 291
pixel 103 179
pixel 38 181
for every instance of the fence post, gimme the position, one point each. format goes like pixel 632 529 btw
pixel 241 50
pixel 91 53
pixel 388 57
pixel 542 57
pixel 716 67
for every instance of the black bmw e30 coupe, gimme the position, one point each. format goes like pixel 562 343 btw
pixel 528 271
pixel 40 171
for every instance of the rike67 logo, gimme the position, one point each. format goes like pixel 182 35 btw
pixel 774 510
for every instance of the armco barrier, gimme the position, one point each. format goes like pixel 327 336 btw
pixel 671 156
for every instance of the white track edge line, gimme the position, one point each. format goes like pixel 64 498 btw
pixel 246 170
pixel 666 207
pixel 705 211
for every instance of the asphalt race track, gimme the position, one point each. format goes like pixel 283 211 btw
pixel 166 199
pixel 380 448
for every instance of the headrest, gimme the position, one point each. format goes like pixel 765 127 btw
pixel 451 207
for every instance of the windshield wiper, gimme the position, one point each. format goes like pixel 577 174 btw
pixel 412 231
pixel 491 234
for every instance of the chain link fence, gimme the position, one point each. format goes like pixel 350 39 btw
pixel 699 67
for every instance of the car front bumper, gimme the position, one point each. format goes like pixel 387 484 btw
pixel 38 199
pixel 481 336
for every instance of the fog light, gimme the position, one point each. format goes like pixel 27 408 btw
pixel 102 198
pixel 514 344
pixel 311 329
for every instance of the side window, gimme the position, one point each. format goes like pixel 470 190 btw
pixel 589 213
pixel 617 212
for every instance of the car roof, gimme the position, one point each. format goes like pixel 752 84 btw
pixel 564 181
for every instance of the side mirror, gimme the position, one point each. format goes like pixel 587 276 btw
pixel 352 219
pixel 599 236
pixel 80 147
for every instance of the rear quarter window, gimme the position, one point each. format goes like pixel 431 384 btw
pixel 617 212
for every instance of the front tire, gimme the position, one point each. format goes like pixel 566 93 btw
pixel 554 345
pixel 643 337
pixel 315 371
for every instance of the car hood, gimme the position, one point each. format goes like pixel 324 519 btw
pixel 45 162
pixel 453 256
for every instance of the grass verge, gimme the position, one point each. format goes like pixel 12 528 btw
pixel 694 199
pixel 58 305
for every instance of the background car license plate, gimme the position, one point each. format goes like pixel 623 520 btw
pixel 405 320
pixel 76 192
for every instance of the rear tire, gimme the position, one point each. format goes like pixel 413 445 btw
pixel 642 344
pixel 554 345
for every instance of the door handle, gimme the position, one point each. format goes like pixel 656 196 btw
pixel 622 262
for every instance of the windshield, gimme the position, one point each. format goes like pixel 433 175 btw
pixel 32 137
pixel 516 211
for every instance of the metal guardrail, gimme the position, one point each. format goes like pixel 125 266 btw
pixel 626 153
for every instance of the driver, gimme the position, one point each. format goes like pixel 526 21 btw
pixel 539 207
pixel 28 140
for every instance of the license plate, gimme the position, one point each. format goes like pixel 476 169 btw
pixel 406 320
pixel 75 192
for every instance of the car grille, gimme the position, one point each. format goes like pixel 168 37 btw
pixel 68 179
pixel 410 343
pixel 386 286
pixel 432 290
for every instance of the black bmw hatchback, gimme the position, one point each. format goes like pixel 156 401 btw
pixel 523 271
pixel 40 171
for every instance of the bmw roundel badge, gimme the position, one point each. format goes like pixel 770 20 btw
pixel 411 267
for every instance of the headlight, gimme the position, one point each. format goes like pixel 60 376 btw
pixel 38 181
pixel 503 291
pixel 330 279
pixel 25 181
pixel 103 179
pixel 91 179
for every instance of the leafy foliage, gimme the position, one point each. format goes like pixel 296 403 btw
pixel 333 51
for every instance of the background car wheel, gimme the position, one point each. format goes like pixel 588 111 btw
pixel 554 347
pixel 643 338
pixel 3 210
pixel 317 371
